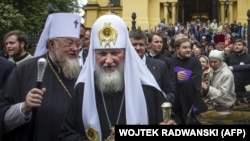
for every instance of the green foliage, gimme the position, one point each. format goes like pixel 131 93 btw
pixel 29 15
pixel 10 18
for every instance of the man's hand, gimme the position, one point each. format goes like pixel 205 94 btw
pixel 33 100
pixel 181 75
pixel 204 86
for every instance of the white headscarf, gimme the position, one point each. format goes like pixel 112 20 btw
pixel 135 73
pixel 58 25
pixel 217 54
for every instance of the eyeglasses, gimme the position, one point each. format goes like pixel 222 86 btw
pixel 70 43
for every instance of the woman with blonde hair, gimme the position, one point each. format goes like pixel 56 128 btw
pixel 206 71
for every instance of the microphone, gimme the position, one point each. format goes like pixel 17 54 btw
pixel 41 65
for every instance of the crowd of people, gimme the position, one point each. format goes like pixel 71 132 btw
pixel 105 75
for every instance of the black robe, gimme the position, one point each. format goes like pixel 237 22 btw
pixel 73 129
pixel 188 92
pixel 45 124
pixel 6 68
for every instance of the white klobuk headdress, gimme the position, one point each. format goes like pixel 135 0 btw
pixel 110 32
pixel 58 25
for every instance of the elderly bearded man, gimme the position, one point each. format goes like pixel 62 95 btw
pixel 35 114
pixel 114 87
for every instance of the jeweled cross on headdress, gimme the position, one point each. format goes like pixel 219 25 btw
pixel 109 5
pixel 76 23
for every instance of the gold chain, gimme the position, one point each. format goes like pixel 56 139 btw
pixel 106 110
pixel 65 88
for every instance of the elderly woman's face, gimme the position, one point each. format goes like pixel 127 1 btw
pixel 110 59
pixel 215 63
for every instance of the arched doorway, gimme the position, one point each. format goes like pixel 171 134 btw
pixel 197 9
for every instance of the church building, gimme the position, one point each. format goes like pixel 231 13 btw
pixel 149 13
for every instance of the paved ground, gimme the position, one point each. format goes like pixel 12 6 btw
pixel 240 115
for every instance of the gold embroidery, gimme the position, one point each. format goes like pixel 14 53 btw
pixel 107 34
pixel 92 134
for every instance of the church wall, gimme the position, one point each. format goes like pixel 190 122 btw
pixel 140 7
pixel 243 6
pixel 150 12
pixel 154 14
pixel 90 16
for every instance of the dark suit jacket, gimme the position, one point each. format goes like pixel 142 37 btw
pixel 241 68
pixel 6 68
pixel 240 63
pixel 84 56
pixel 160 70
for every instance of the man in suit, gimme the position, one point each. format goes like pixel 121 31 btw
pixel 157 67
pixel 155 46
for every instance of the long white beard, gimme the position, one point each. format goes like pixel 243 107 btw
pixel 109 81
pixel 70 67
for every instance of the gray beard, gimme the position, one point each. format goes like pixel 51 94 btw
pixel 109 82
pixel 70 67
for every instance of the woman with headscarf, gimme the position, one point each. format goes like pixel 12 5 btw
pixel 221 90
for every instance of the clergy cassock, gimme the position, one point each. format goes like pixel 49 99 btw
pixel 46 121
pixel 92 113
pixel 73 129
pixel 188 91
